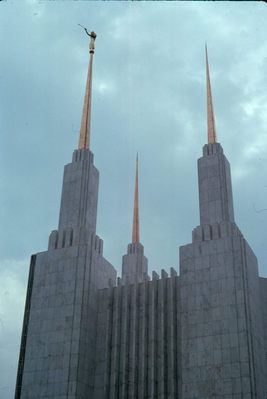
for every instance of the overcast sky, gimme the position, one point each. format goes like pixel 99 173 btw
pixel 148 96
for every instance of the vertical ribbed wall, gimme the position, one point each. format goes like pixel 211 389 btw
pixel 141 345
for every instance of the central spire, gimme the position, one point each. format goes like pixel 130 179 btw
pixel 210 114
pixel 135 235
pixel 84 141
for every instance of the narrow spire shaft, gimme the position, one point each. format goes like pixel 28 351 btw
pixel 210 114
pixel 84 141
pixel 135 235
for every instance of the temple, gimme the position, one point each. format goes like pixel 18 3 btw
pixel 200 333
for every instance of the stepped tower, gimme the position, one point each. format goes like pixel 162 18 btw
pixel 134 265
pixel 58 338
pixel 221 319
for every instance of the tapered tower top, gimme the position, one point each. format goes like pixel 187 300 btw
pixel 210 114
pixel 84 141
pixel 135 235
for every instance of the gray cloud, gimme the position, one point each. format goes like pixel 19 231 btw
pixel 148 96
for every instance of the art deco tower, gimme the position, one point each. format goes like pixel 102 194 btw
pixel 221 318
pixel 57 346
pixel 134 265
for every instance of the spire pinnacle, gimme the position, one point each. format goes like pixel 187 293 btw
pixel 135 235
pixel 84 141
pixel 210 114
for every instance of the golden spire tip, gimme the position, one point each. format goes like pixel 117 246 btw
pixel 84 140
pixel 210 114
pixel 135 234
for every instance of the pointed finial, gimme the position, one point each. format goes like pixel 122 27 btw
pixel 210 114
pixel 135 235
pixel 84 141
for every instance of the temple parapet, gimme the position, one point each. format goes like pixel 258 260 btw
pixel 66 238
pixel 215 231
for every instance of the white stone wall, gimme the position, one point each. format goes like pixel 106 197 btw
pixel 57 358
pixel 221 331
pixel 137 341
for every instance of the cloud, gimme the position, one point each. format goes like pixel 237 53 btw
pixel 13 277
pixel 148 95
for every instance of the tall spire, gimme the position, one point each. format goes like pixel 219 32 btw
pixel 210 114
pixel 84 141
pixel 135 235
